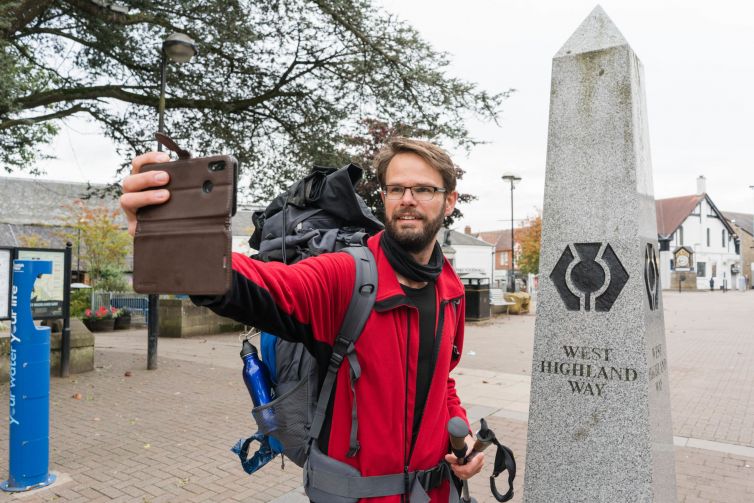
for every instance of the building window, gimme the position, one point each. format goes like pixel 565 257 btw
pixel 723 238
pixel 504 258
pixel 708 237
pixel 680 235
pixel 701 269
pixel 672 264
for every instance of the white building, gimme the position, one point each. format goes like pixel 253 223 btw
pixel 695 223
pixel 469 254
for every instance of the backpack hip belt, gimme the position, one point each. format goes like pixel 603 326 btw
pixel 328 480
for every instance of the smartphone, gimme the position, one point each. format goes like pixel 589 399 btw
pixel 183 246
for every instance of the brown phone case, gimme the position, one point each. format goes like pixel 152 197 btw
pixel 184 245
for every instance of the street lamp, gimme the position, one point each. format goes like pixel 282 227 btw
pixel 512 283
pixel 179 48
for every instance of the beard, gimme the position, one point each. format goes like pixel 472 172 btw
pixel 415 240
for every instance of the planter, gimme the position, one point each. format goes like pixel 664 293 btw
pixel 102 325
pixel 123 322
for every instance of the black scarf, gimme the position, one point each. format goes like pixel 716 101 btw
pixel 405 265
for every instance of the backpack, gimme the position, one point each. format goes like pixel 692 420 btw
pixel 321 213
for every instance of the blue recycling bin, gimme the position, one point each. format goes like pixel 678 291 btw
pixel 29 386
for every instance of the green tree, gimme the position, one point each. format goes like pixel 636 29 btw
pixel 105 244
pixel 530 240
pixel 279 84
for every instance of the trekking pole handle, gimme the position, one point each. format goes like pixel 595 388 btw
pixel 458 430
pixel 484 438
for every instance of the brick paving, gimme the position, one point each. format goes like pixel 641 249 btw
pixel 164 435
pixel 710 337
pixel 155 436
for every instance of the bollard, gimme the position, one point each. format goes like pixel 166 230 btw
pixel 29 429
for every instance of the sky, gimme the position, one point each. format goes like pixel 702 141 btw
pixel 698 67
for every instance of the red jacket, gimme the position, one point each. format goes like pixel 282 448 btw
pixel 306 302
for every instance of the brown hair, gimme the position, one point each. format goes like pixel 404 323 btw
pixel 431 153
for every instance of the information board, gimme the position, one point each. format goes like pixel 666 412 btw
pixel 5 265
pixel 48 294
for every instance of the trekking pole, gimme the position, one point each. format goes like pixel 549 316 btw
pixel 458 431
pixel 485 437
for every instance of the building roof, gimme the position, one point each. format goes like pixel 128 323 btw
pixel 36 210
pixel 671 212
pixel 745 221
pixel 459 238
pixel 501 239
pixel 33 201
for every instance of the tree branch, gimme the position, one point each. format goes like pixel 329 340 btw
pixel 120 93
pixel 28 121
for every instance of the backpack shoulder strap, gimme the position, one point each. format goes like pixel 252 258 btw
pixel 359 308
pixel 364 293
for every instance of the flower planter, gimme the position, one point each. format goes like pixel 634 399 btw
pixel 101 325
pixel 123 322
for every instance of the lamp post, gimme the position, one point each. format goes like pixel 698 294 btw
pixel 179 48
pixel 511 275
pixel 751 269
pixel 78 255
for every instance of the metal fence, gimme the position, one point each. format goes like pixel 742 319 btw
pixel 138 304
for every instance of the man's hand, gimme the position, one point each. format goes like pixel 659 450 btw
pixel 134 196
pixel 474 466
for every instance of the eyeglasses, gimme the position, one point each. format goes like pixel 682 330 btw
pixel 419 192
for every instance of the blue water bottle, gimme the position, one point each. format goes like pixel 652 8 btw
pixel 256 375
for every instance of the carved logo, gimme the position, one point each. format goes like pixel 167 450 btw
pixel 595 277
pixel 651 276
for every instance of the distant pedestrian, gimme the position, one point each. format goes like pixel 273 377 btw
pixel 711 284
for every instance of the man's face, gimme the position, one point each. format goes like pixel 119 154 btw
pixel 414 224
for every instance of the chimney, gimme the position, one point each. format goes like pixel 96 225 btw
pixel 467 229
pixel 701 185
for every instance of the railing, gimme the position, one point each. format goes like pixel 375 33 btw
pixel 138 304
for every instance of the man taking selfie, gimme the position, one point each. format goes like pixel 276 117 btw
pixel 412 339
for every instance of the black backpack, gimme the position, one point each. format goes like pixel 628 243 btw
pixel 321 213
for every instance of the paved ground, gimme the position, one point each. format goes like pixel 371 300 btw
pixel 165 435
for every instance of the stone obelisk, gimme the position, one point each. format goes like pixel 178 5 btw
pixel 599 418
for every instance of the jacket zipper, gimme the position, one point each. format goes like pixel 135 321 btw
pixel 433 364
pixel 405 411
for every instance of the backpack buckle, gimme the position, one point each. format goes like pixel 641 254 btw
pixel 335 360
pixel 432 478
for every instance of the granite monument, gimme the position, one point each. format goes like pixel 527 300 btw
pixel 599 418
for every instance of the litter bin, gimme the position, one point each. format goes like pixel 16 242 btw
pixel 477 288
